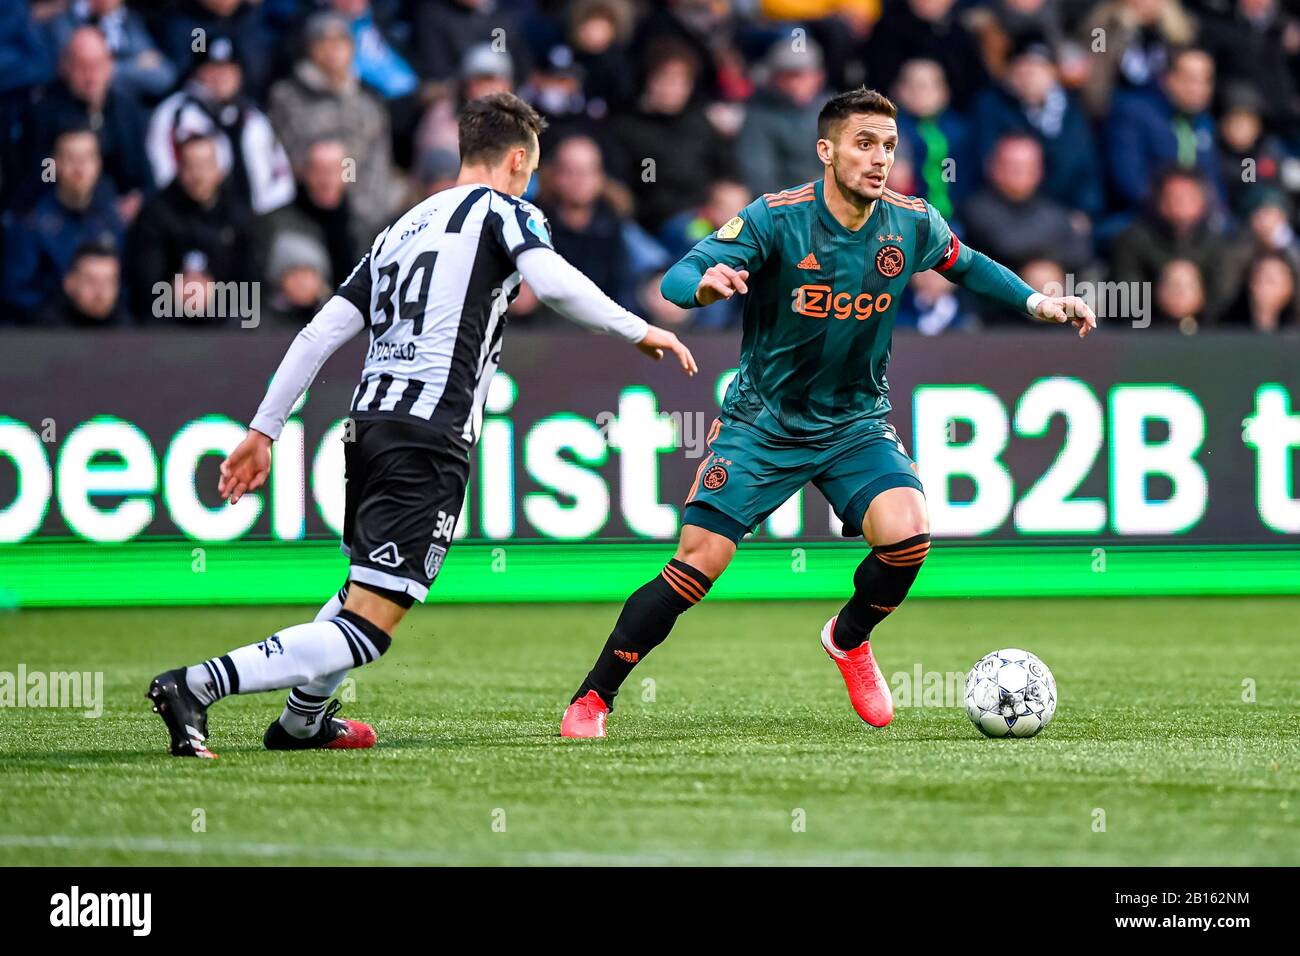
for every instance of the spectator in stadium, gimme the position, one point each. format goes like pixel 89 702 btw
pixel 446 30
pixel 935 137
pixel 679 234
pixel 1249 156
pixel 91 291
pixel 379 63
pixel 673 150
pixel 1002 25
pixel 323 97
pixel 781 118
pixel 705 28
pixel 300 279
pixel 1180 295
pixel 932 305
pixel 139 70
pixel 437 170
pixel 81 208
pixel 1178 226
pixel 598 32
pixel 556 91
pixel 1266 229
pixel 1031 100
pixel 1129 44
pixel 483 71
pixel 84 97
pixel 1268 301
pixel 1011 221
pixel 28 55
pixel 196 228
pixel 382 64
pixel 212 103
pixel 929 30
pixel 1250 45
pixel 240 20
pixel 321 209
pixel 589 231
pixel 1145 132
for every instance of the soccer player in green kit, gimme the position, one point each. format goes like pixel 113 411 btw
pixel 822 267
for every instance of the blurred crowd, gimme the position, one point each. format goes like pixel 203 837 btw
pixel 152 151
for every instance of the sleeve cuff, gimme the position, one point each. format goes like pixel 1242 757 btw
pixel 267 426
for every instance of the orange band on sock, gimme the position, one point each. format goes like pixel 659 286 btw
pixel 683 584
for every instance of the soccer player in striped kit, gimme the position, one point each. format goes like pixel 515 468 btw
pixel 821 266
pixel 433 292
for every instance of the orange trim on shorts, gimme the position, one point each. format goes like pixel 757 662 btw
pixel 714 430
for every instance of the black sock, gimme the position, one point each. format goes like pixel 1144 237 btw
pixel 879 586
pixel 648 615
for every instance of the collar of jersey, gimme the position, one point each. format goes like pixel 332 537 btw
pixel 834 225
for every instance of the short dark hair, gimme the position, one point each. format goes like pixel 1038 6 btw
pixel 1170 172
pixel 495 123
pixel 843 105
pixel 185 142
pixel 97 247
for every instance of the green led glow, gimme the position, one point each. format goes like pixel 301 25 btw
pixel 68 572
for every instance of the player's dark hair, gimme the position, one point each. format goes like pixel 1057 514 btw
pixel 849 103
pixel 495 123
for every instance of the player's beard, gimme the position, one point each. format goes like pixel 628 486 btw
pixel 856 193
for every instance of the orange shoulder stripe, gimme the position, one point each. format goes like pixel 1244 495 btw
pixel 791 193
pixel 791 202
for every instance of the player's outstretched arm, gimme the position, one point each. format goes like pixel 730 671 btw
pixel 247 467
pixel 977 272
pixel 566 290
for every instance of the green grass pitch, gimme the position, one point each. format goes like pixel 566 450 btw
pixel 1176 742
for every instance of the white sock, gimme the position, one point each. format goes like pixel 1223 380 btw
pixel 290 658
pixel 301 716
pixel 330 609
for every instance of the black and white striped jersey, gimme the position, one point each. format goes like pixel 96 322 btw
pixel 433 291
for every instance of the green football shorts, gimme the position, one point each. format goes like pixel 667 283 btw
pixel 747 474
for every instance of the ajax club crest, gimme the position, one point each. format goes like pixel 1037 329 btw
pixel 889 261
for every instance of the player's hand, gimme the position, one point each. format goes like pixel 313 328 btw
pixel 657 341
pixel 246 468
pixel 721 282
pixel 1068 308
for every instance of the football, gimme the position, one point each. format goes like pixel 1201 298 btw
pixel 1010 693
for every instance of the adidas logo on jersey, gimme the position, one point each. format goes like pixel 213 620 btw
pixel 809 262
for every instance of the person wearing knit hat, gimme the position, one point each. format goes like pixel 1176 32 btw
pixel 298 269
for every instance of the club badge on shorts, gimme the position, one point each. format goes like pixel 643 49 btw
pixel 433 560
pixel 715 478
pixel 889 261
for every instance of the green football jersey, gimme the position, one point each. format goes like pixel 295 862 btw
pixel 819 316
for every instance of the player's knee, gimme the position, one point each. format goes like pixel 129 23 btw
pixel 368 640
pixel 381 607
pixel 896 515
pixel 706 551
pixel 708 562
